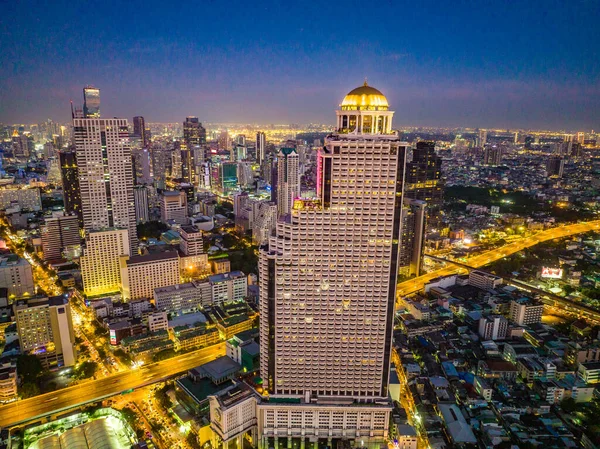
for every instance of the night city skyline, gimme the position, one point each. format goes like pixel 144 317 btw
pixel 524 65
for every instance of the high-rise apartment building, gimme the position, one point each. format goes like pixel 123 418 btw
pixel 261 147
pixel 493 327
pixel 91 102
pixel 139 129
pixel 45 328
pixel 105 175
pixel 288 180
pixel 492 156
pixel 142 207
pixel 193 132
pixel 328 286
pixel 412 240
pixel 100 268
pixel 555 167
pixel 70 184
pixel 60 235
pixel 525 311
pixel 424 180
pixel 173 206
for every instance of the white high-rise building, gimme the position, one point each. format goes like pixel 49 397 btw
pixel 142 207
pixel 261 147
pixel 100 268
pixel 288 180
pixel 105 175
pixel 328 287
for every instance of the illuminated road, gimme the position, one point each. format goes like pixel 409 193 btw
pixel 477 261
pixel 28 409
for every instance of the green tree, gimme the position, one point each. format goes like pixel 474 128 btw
pixel 86 370
pixel 192 440
pixel 29 368
pixel 568 405
pixel 28 390
pixel 163 355
pixel 151 229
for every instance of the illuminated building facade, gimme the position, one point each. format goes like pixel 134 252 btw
pixel 288 180
pixel 424 180
pixel 105 175
pixel 140 275
pixel 328 283
pixel 91 102
pixel 100 269
pixel 45 328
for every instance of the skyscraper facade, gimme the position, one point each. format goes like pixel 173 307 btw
pixel 261 147
pixel 288 180
pixel 105 175
pixel 424 180
pixel 91 102
pixel 69 174
pixel 193 132
pixel 328 283
pixel 413 236
pixel 139 129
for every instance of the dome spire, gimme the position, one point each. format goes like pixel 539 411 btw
pixel 365 84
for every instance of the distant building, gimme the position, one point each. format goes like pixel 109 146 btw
pixel 288 180
pixel 26 199
pixel 142 208
pixel 261 147
pixel 493 327
pixel 140 275
pixel 60 235
pixel 70 184
pixel 173 206
pixel 492 156
pixel 45 328
pixel 483 280
pixel 555 167
pixel 424 180
pixel 192 242
pixel 193 132
pixel 91 102
pixel 526 311
pixel 412 241
pixel 139 129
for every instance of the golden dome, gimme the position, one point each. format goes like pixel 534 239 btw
pixel 365 98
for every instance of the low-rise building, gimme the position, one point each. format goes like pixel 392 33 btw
pixel 226 287
pixel 180 298
pixel 589 372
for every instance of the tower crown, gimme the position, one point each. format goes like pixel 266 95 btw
pixel 364 98
pixel 365 110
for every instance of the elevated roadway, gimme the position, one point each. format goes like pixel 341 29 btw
pixel 414 285
pixel 26 410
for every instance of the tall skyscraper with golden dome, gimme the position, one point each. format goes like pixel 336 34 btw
pixel 328 287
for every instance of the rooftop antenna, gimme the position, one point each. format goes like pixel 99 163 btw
pixel 72 111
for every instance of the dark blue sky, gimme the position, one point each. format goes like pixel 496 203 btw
pixel 447 63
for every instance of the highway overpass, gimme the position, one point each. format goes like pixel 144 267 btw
pixel 26 410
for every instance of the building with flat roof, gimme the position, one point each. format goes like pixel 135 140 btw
pixel 226 287
pixel 173 206
pixel 526 311
pixel 186 297
pixel 142 274
pixel 100 266
pixel 60 235
pixel 483 280
pixel 16 276
pixel 45 328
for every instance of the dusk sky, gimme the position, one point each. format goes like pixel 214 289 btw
pixel 448 63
